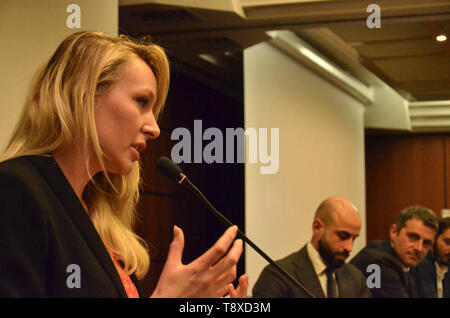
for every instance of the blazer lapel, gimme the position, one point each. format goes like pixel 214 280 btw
pixel 56 179
pixel 306 274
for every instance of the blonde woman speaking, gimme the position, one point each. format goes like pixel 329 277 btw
pixel 69 181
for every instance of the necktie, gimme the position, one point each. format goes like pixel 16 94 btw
pixel 410 286
pixel 331 284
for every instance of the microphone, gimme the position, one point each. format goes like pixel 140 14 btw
pixel 172 171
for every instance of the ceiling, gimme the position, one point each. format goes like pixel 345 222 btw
pixel 403 52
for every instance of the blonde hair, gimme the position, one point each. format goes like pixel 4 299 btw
pixel 59 112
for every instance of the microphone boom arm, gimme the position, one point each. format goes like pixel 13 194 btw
pixel 188 184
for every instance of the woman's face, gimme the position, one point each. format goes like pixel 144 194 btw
pixel 124 116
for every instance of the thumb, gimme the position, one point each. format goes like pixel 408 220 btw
pixel 176 247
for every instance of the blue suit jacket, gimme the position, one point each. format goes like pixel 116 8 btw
pixel 425 274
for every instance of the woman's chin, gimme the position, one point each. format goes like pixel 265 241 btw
pixel 122 169
pixel 125 170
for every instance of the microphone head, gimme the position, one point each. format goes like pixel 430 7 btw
pixel 169 168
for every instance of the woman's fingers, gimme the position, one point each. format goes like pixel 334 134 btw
pixel 230 260
pixel 208 276
pixel 241 291
pixel 225 270
pixel 227 277
pixel 176 248
pixel 211 256
pixel 231 293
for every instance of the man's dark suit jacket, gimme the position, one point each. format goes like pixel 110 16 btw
pixel 271 284
pixel 425 274
pixel 395 283
pixel 43 229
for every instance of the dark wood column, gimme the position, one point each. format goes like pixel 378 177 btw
pixel 403 170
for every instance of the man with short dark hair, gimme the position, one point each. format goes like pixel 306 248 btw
pixel 320 265
pixel 410 240
pixel 432 274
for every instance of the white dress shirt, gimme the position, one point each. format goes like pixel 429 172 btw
pixel 441 270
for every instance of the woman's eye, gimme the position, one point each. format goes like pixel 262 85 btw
pixel 142 101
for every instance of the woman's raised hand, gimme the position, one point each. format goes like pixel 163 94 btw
pixel 210 275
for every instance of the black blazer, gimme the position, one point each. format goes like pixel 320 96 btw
pixel 395 283
pixel 271 284
pixel 44 229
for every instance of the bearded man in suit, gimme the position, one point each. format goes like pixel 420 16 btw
pixel 320 265
pixel 432 274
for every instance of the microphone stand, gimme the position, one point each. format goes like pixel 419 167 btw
pixel 188 184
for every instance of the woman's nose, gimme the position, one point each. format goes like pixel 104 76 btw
pixel 151 129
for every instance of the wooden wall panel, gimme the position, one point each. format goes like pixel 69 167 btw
pixel 401 171
pixel 447 170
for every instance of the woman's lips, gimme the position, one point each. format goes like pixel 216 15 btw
pixel 135 152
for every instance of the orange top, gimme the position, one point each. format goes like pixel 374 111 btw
pixel 130 289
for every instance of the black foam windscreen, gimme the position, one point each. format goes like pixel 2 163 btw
pixel 169 168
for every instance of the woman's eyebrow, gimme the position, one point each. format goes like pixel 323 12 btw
pixel 147 92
